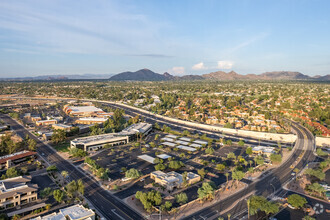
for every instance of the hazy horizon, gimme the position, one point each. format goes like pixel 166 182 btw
pixel 180 37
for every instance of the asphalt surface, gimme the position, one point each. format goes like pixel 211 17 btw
pixel 108 205
pixel 265 185
pixel 268 183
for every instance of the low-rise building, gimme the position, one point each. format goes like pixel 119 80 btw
pixel 263 150
pixel 90 120
pixel 75 212
pixel 97 142
pixel 46 122
pixel 82 111
pixel 15 158
pixel 17 191
pixel 173 179
pixel 62 127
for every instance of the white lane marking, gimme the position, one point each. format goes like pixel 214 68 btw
pixel 114 211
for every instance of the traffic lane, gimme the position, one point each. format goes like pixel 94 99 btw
pixel 262 186
pixel 319 206
pixel 137 112
pixel 96 196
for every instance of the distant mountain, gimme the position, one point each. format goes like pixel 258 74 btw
pixel 148 75
pixel 141 75
pixel 283 75
pixel 59 77
pixel 276 75
pixel 220 75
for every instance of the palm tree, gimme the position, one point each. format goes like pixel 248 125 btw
pixel 228 215
pixel 296 170
pixel 65 174
pixel 250 162
pixel 248 206
pixel 227 175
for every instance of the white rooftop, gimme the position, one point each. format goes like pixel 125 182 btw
pixel 169 144
pixel 186 148
pixel 82 109
pixel 163 156
pixel 52 216
pixel 147 158
pixel 195 145
pixel 185 139
pixel 167 139
pixel 77 212
pixel 201 142
pixel 171 136
pixel 93 119
pixel 182 142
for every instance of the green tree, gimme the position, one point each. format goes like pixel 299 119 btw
pixel 206 192
pixel 202 172
pixel 241 143
pixel 318 173
pixel 249 151
pixel 296 201
pixel 132 173
pixel 58 136
pixel 276 158
pixel 51 168
pixel 321 153
pixel 174 164
pixel 316 187
pixel 46 192
pixel 237 175
pixel 209 150
pixel 181 198
pixel 58 195
pixel 220 167
pixel 10 173
pixel 160 166
pixel 32 144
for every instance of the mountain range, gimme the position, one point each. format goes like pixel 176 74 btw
pixel 148 75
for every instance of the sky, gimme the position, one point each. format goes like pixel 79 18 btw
pixel 46 37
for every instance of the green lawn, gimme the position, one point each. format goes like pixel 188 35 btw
pixel 62 147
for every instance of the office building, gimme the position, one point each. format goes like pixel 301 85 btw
pixel 17 191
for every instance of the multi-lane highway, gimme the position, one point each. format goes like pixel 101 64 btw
pixel 108 205
pixel 266 185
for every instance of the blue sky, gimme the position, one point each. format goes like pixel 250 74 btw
pixel 41 37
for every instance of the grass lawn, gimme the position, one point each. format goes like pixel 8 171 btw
pixel 62 147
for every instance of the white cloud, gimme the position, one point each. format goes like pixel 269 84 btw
pixel 177 70
pixel 199 66
pixel 225 64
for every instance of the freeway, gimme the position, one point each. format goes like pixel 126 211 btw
pixel 180 126
pixel 108 205
pixel 267 185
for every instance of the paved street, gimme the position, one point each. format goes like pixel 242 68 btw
pixel 108 205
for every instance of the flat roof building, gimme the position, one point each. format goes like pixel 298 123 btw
pixel 17 191
pixel 82 110
pixel 173 179
pixel 182 147
pixel 147 158
pixel 75 212
pixel 97 142
pixel 62 127
pixel 90 120
pixel 263 150
pixel 15 158
pixel 169 144
pixel 46 122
